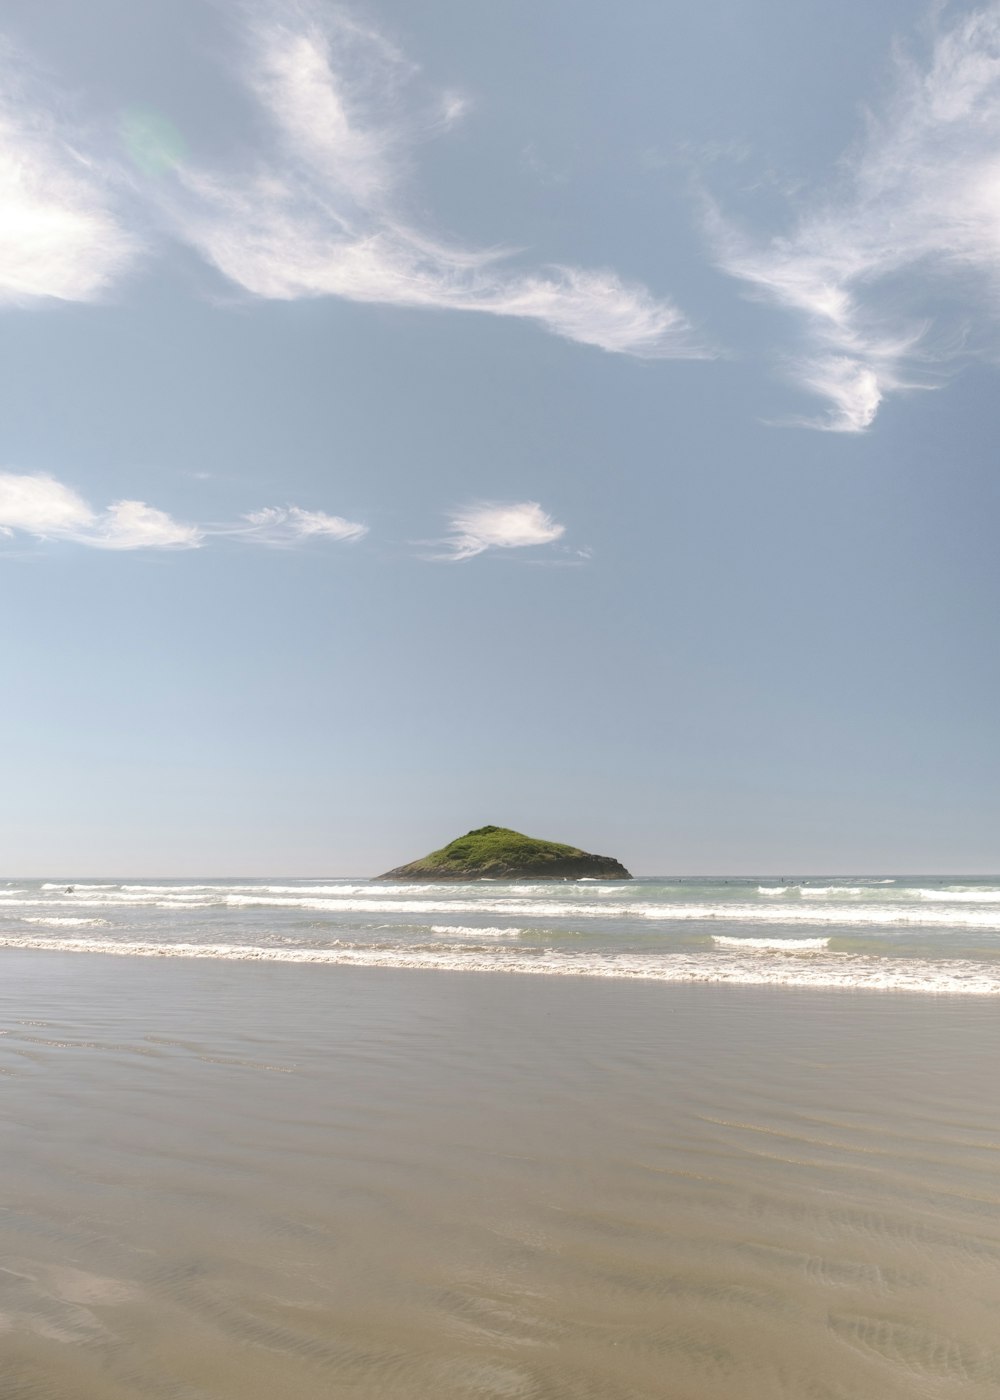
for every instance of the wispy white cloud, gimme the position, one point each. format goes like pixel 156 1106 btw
pixel 59 235
pixel 320 213
pixel 918 206
pixel 317 207
pixel 490 525
pixel 46 509
pixel 40 505
pixel 284 525
pixel 134 525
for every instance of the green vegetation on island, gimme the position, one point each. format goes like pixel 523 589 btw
pixel 497 853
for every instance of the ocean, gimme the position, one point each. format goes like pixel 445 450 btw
pixel 703 1138
pixel 893 932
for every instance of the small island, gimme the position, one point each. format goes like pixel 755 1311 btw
pixel 497 853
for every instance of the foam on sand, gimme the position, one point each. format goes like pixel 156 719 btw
pixel 955 977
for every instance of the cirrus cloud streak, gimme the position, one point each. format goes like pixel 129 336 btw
pixel 286 525
pixel 43 508
pixel 60 236
pixel 319 212
pixel 917 211
pixel 314 206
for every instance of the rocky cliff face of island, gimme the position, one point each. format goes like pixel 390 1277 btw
pixel 497 853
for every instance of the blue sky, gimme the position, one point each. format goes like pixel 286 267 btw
pixel 575 417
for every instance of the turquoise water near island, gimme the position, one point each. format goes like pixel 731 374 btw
pixel 892 932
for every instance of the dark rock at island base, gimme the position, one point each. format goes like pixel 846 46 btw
pixel 497 853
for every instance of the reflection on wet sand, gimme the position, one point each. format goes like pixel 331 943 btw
pixel 231 1181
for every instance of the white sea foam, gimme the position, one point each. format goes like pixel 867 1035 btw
pixel 825 933
pixel 98 898
pixel 880 915
pixel 963 907
pixel 327 888
pixel 771 945
pixel 56 922
pixel 878 890
pixel 439 905
pixel 852 915
pixel 957 894
pixel 849 973
pixel 831 891
pixel 65 884
pixel 466 931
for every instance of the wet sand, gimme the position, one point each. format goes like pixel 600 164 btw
pixel 235 1181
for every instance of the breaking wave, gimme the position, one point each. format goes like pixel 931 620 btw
pixel 56 922
pixel 464 931
pixel 894 933
pixel 771 945
pixel 842 972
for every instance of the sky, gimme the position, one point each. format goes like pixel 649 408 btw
pixel 578 418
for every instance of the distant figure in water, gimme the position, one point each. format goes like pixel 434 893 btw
pixel 70 889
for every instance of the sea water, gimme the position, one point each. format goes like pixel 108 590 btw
pixel 893 932
pixel 297 1138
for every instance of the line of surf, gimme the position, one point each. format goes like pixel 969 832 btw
pixel 773 914
pixel 839 972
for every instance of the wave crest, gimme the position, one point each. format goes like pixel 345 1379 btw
pixel 771 945
pixel 954 977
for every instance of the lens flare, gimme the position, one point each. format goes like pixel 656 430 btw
pixel 152 141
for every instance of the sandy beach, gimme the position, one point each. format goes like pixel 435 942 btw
pixel 499 894
pixel 230 1181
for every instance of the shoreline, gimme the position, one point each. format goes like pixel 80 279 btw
pixel 793 971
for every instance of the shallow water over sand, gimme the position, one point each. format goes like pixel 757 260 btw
pixel 232 1181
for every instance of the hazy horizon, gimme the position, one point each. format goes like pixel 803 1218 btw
pixel 779 873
